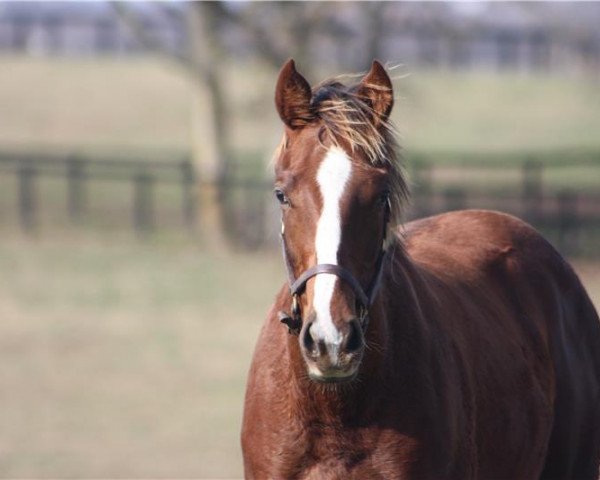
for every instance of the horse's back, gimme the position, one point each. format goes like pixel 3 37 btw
pixel 508 262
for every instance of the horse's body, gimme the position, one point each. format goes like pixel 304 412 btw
pixel 482 361
pixel 478 370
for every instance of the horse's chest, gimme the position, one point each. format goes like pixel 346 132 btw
pixel 358 454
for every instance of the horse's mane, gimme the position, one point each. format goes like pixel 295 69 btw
pixel 347 117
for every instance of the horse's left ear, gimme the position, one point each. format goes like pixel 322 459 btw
pixel 376 89
pixel 292 97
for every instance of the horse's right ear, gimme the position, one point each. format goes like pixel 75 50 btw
pixel 376 88
pixel 292 97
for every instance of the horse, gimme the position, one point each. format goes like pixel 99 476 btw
pixel 459 346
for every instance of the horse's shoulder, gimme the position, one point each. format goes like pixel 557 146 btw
pixel 474 237
pixel 468 224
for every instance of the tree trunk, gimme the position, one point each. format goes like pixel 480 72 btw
pixel 208 125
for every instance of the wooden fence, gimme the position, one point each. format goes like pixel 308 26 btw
pixel 569 217
pixel 567 213
pixel 78 172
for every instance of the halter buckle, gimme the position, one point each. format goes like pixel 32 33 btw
pixel 295 305
pixel 293 321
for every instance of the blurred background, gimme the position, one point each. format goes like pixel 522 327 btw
pixel 138 235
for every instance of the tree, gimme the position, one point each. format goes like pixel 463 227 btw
pixel 275 31
pixel 208 111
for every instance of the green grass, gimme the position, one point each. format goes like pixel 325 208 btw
pixel 498 112
pixel 112 105
pixel 123 359
pixel 51 104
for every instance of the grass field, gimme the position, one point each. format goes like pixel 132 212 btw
pixel 128 359
pixel 123 359
pixel 116 105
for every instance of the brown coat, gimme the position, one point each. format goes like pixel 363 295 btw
pixel 482 361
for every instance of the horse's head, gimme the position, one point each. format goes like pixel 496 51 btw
pixel 340 186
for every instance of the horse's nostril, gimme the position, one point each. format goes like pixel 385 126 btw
pixel 354 340
pixel 307 340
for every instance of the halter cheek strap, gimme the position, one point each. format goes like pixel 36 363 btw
pixel 364 298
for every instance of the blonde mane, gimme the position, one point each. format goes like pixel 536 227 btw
pixel 348 118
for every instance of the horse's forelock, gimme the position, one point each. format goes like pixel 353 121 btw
pixel 347 118
pixel 348 121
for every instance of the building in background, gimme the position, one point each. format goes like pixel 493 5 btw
pixel 497 35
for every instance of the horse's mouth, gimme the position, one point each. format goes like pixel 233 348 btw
pixel 332 376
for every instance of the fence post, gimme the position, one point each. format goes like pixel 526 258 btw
pixel 568 222
pixel 188 185
pixel 75 189
pixel 532 189
pixel 27 194
pixel 143 211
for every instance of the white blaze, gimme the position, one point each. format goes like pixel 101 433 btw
pixel 332 177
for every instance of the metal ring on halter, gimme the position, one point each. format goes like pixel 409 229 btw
pixel 295 305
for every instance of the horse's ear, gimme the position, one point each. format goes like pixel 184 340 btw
pixel 292 97
pixel 376 89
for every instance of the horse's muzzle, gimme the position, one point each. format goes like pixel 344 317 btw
pixel 333 361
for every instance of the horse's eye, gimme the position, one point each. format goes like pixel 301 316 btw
pixel 281 197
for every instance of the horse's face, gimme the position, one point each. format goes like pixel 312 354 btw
pixel 333 202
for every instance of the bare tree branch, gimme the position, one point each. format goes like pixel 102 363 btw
pixel 151 43
pixel 267 46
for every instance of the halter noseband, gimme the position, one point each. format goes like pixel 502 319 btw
pixel 364 298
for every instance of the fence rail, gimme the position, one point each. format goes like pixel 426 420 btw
pixel 567 216
pixel 78 171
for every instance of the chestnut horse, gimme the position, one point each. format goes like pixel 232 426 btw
pixel 462 346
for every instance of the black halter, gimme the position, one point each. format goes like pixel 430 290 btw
pixel 364 298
